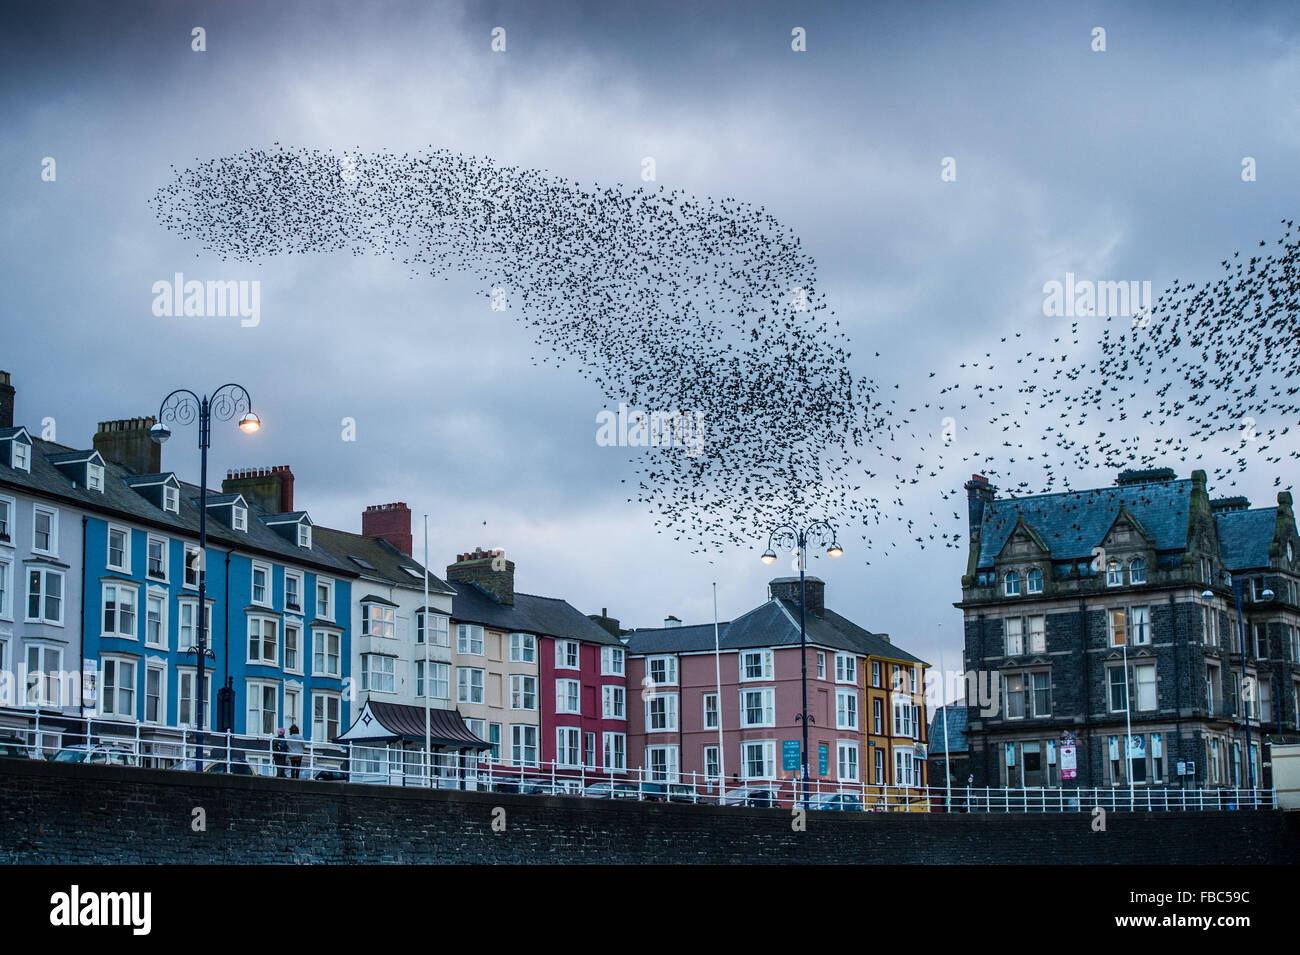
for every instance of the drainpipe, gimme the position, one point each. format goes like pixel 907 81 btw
pixel 225 665
pixel 81 651
pixel 1178 689
pixel 1087 684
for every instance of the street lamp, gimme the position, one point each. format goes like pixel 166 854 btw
pixel 183 407
pixel 1207 595
pixel 787 535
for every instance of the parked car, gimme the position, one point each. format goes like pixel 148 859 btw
pixel 680 792
pixel 527 789
pixel 238 765
pixel 331 775
pixel 836 802
pixel 755 797
pixel 11 747
pixel 100 754
pixel 611 791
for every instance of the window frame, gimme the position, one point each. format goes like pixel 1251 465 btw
pixel 119 661
pixel 53 534
pixel 125 565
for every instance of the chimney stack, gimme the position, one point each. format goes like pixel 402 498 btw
pixel 126 443
pixel 606 622
pixel 6 401
pixel 670 621
pixel 271 489
pixel 787 588
pixel 979 494
pixel 489 569
pixel 390 522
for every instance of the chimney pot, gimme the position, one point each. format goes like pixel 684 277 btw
pixel 391 522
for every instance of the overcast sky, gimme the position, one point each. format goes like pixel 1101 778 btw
pixel 1122 164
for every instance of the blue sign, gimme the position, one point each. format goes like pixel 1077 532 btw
pixel 790 754
pixel 823 760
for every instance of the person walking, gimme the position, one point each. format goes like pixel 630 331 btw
pixel 295 750
pixel 279 750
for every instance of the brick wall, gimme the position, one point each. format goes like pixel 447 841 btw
pixel 75 814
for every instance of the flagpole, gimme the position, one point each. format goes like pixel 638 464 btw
pixel 424 618
pixel 717 675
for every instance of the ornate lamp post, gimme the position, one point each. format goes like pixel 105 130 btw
pixel 787 535
pixel 1207 595
pixel 183 407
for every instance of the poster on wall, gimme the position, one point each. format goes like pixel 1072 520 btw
pixel 1068 763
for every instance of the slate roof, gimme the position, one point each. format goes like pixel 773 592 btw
pixel 1072 523
pixel 774 623
pixel 120 501
pixel 957 742
pixel 1245 536
pixel 386 559
pixel 545 616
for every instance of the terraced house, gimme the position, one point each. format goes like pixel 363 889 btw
pixel 541 682
pixel 1109 616
pixel 865 697
pixel 112 593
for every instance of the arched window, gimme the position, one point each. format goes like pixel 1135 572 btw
pixel 1137 571
pixel 1114 573
pixel 1011 584
pixel 1034 581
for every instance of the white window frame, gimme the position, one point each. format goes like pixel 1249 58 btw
pixel 523 744
pixel 614 746
pixel 842 748
pixel 260 659
pixel 566 650
pixel 171 499
pixel 1034 581
pixel 613 661
pixel 45 574
pixel 268 588
pixel 118 588
pixel 120 663
pixel 821 665
pixel 387 620
pixel 251 697
pixel 182 672
pixel 438 674
pixel 768 756
pixel 1137 570
pixel 151 666
pixel 1036 639
pixel 711 716
pixel 613 702
pixel 387 673
pixel 164 560
pixel 163 639
pixel 669 664
pixel 523 687
pixel 1013 642
pixel 766 666
pixel 6 589
pixel 321 637
pixel 297 576
pixel 469 635
pixel 330 610
pixel 465 687
pixel 20 455
pixel 53 514
pixel 523 648
pixel 669 710
pixel 568 747
pixel 671 771
pixel 846 668
pixel 191 550
pixel 568 696
pixel 326 697
pixel 304 535
pixel 49 688
pixel 1011 584
pixel 849 697
pixel 767 707
pixel 125 565
pixel 238 517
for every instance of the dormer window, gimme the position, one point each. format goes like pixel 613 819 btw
pixel 1137 571
pixel 21 458
pixel 1034 581
pixel 95 477
pixel 304 535
pixel 1011 584
pixel 239 517
pixel 1114 573
pixel 171 499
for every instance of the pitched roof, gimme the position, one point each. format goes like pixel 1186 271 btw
pixel 546 616
pixel 774 623
pixel 387 563
pixel 387 722
pixel 120 501
pixel 1072 523
pixel 957 742
pixel 1245 537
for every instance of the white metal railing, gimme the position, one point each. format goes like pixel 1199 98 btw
pixel 100 741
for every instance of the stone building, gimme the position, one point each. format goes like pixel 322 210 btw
pixel 1107 618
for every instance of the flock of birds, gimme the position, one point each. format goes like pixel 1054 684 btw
pixel 668 302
